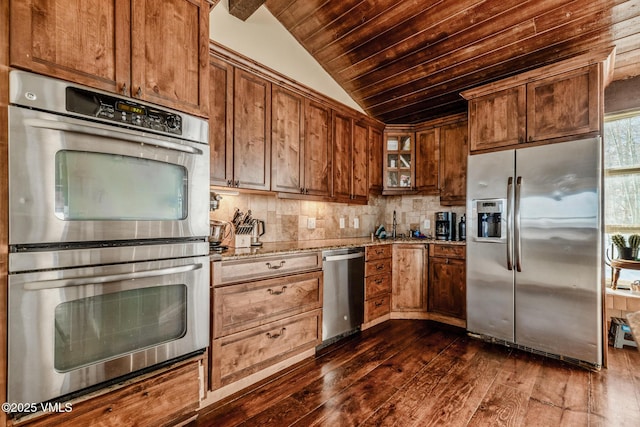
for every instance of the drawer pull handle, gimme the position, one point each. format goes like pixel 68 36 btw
pixel 379 266
pixel 379 251
pixel 272 292
pixel 275 336
pixel 275 267
pixel 378 303
pixel 379 281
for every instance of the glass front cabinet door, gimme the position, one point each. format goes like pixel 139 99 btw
pixel 399 175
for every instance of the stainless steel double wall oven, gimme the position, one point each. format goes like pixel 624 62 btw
pixel 108 226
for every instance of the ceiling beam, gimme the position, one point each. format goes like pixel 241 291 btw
pixel 243 9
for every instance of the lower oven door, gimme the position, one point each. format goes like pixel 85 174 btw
pixel 75 328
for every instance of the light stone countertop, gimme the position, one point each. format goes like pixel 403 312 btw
pixel 317 245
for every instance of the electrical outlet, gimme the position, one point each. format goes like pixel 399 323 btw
pixel 341 222
pixel 427 224
pixel 356 222
pixel 311 223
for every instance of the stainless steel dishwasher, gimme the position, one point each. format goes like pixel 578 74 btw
pixel 343 293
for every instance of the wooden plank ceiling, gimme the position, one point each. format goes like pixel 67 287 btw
pixel 407 61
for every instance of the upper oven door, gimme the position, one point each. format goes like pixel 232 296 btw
pixel 74 180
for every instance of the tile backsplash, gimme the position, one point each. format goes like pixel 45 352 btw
pixel 287 220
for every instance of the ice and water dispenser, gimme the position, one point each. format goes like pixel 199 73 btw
pixel 490 217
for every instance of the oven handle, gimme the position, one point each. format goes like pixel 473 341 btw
pixel 96 131
pixel 39 285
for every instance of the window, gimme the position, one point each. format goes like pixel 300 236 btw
pixel 622 181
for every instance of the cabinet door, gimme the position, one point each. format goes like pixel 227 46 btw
pixel 251 131
pixel 447 287
pixel 359 164
pixel 318 149
pixel 287 141
pixel 453 164
pixel 409 278
pixel 375 159
pixel 498 120
pixel 84 41
pixel 563 105
pixel 428 160
pixel 221 122
pixel 170 53
pixel 399 173
pixel 342 142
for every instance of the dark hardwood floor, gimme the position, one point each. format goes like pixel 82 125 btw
pixel 410 372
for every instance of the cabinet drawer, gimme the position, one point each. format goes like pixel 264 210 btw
pixel 246 305
pixel 238 355
pixel 377 285
pixel 377 267
pixel 450 251
pixel 263 267
pixel 161 400
pixel 377 307
pixel 377 252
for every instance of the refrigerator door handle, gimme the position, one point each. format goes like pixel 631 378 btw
pixel 509 223
pixel 516 221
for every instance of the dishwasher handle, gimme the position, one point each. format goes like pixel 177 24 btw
pixel 355 255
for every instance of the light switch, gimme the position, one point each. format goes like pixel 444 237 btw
pixel 311 223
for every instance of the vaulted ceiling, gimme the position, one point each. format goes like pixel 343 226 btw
pixel 407 61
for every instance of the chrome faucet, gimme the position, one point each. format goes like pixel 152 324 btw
pixel 395 225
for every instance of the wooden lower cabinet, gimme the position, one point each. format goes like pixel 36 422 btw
pixel 239 355
pixel 447 280
pixel 377 290
pixel 409 278
pixel 266 312
pixel 247 305
pixel 165 399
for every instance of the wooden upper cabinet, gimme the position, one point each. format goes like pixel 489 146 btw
pixel 453 163
pixel 317 150
pixel 287 141
pixel 84 41
pixel 154 51
pixel 409 277
pixel 170 64
pixel 221 122
pixel 375 159
pixel 342 143
pixel 399 161
pixel 498 119
pixel 563 105
pixel 251 131
pixel 428 161
pixel 549 104
pixel 360 161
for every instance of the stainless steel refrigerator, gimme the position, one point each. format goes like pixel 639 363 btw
pixel 534 248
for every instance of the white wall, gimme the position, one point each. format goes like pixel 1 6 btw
pixel 263 39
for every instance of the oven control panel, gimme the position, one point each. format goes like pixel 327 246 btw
pixel 122 110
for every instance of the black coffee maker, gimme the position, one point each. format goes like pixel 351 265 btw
pixel 445 226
